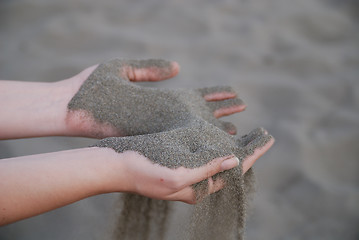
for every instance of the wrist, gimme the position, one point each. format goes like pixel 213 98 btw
pixel 51 106
pixel 64 91
pixel 111 170
pixel 32 109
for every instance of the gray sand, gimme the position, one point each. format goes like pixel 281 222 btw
pixel 296 64
pixel 109 97
pixel 219 216
pixel 172 128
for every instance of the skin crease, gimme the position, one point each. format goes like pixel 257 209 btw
pixel 77 174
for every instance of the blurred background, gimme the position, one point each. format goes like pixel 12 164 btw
pixel 295 63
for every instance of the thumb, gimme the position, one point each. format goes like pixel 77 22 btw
pixel 149 70
pixel 215 166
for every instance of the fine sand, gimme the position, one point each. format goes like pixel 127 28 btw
pixel 295 63
pixel 109 97
pixel 219 216
pixel 172 128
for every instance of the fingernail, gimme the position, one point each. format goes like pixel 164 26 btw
pixel 230 163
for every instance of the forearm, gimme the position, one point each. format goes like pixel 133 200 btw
pixel 34 109
pixel 35 184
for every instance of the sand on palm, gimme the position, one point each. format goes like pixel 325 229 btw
pixel 172 128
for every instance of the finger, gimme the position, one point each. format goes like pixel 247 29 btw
pixel 211 186
pixel 250 160
pixel 192 176
pixel 149 70
pixel 229 127
pixel 217 93
pixel 215 185
pixel 226 107
pixel 256 143
pixel 188 194
pixel 244 140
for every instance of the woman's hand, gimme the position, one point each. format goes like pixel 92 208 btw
pixel 159 182
pixel 165 165
pixel 32 185
pixel 108 103
pixel 103 101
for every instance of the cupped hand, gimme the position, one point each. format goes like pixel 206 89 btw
pixel 168 165
pixel 108 103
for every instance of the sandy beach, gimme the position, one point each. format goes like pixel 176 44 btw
pixel 295 64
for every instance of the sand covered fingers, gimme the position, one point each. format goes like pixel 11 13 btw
pixel 247 138
pixel 247 149
pixel 185 178
pixel 108 104
pixel 146 70
pixel 248 162
pixel 228 127
pixel 222 100
pixel 137 70
pixel 256 139
pixel 217 93
pixel 191 196
pixel 226 107
pixel 225 210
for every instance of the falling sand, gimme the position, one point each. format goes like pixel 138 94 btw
pixel 172 128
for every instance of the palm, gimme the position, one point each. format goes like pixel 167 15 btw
pixel 189 147
pixel 108 97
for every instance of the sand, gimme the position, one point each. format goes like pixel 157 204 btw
pixel 134 110
pixel 170 128
pixel 295 63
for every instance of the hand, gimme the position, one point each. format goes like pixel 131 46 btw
pixel 109 104
pixel 101 101
pixel 176 152
pixel 60 178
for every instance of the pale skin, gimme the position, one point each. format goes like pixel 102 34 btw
pixel 31 185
